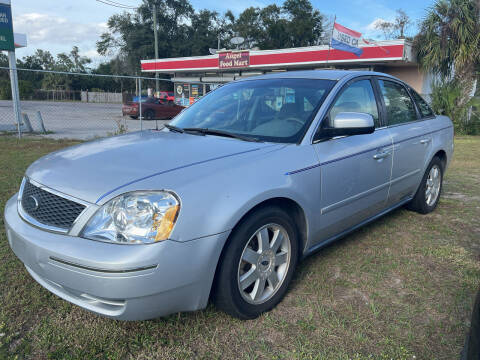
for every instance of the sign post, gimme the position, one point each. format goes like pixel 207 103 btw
pixel 7 44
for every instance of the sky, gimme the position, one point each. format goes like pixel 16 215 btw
pixel 58 25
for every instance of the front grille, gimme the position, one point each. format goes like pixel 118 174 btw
pixel 48 208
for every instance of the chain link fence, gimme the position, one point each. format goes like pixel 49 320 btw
pixel 76 106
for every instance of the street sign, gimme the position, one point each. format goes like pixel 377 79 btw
pixel 6 27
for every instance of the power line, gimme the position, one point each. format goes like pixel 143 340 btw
pixel 120 4
pixel 117 4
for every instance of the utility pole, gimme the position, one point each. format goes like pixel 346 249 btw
pixel 156 42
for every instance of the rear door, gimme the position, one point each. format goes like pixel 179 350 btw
pixel 411 139
pixel 355 170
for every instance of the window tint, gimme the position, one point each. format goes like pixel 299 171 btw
pixel 398 103
pixel 422 105
pixel 357 97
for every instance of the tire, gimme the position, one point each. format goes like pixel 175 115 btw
pixel 421 202
pixel 149 115
pixel 133 117
pixel 278 261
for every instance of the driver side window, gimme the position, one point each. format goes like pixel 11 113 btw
pixel 357 97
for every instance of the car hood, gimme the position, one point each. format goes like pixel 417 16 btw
pixel 95 169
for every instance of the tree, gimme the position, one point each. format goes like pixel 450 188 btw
pixel 396 29
pixel 304 23
pixel 131 35
pixel 249 26
pixel 185 32
pixel 296 23
pixel 449 43
pixel 204 31
pixel 275 28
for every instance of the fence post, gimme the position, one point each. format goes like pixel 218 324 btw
pixel 140 103
pixel 40 122
pixel 27 123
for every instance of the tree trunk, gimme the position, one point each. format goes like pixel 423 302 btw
pixel 465 77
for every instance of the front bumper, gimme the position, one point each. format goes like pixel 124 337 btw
pixel 126 282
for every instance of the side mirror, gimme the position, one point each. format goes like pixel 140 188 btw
pixel 349 123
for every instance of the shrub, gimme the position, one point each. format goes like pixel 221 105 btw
pixel 5 91
pixel 444 101
pixel 25 88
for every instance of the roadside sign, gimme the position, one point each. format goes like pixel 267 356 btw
pixel 6 27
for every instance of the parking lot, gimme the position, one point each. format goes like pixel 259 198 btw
pixel 73 120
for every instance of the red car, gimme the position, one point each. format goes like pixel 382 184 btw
pixel 167 95
pixel 152 109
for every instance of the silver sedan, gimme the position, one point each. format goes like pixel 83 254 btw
pixel 225 201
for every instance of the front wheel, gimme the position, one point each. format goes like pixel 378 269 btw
pixel 428 193
pixel 257 264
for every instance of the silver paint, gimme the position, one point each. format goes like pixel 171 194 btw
pixel 339 184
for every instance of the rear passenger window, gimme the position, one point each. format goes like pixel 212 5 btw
pixel 398 103
pixel 357 97
pixel 422 105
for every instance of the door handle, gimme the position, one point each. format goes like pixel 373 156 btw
pixel 381 155
pixel 425 141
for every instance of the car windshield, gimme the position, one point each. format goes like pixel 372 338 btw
pixel 274 110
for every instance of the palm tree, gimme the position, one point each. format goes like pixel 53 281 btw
pixel 449 42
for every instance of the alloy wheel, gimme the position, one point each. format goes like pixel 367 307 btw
pixel 434 181
pixel 264 264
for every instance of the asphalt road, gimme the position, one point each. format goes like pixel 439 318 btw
pixel 73 120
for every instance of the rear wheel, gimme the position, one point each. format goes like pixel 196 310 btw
pixel 428 194
pixel 149 115
pixel 257 264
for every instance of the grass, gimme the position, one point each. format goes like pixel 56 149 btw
pixel 400 288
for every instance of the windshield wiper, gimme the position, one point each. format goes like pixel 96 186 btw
pixel 174 128
pixel 206 131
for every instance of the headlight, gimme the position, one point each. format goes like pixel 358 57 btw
pixel 141 217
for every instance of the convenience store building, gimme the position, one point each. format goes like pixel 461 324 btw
pixel 195 76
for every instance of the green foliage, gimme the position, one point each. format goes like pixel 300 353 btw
pixel 5 90
pixel 444 101
pixel 182 31
pixel 450 38
pixel 185 32
pixel 449 45
pixel 25 88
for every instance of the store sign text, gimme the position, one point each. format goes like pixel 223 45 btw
pixel 228 60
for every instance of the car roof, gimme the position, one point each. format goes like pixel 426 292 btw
pixel 316 74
